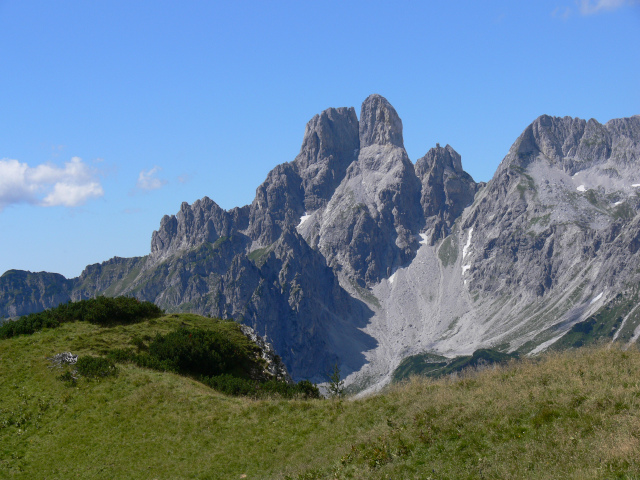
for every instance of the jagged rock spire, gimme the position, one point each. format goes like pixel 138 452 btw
pixel 379 123
pixel 330 144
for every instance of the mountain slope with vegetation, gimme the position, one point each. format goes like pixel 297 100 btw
pixel 574 414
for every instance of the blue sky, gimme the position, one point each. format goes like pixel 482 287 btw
pixel 114 112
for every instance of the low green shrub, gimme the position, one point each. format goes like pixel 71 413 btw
pixel 121 355
pixel 215 358
pixel 28 324
pixel 144 360
pixel 303 389
pixel 307 389
pixel 101 310
pixel 68 378
pixel 109 311
pixel 230 385
pixel 201 352
pixel 95 367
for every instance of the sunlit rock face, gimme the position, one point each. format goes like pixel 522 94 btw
pixel 352 254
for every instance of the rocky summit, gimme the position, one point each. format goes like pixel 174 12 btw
pixel 352 254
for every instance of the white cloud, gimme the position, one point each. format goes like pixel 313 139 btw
pixel 148 180
pixel 71 195
pixel 47 185
pixel 589 7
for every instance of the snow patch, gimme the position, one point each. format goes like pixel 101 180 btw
pixel 618 203
pixel 465 249
pixel 392 277
pixel 596 299
pixel 303 219
pixel 425 239
pixel 465 268
pixel 581 188
pixel 636 185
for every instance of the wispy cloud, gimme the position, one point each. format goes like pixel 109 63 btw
pixel 592 7
pixel 185 178
pixel 47 185
pixel 561 12
pixel 147 180
pixel 589 7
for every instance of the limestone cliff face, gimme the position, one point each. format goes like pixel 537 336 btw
pixel 352 254
pixel 369 226
pixel 573 144
pixel 279 203
pixel 552 237
pixel 564 191
pixel 204 221
pixel 102 277
pixel 26 292
pixel 331 143
pixel 329 146
pixel 446 190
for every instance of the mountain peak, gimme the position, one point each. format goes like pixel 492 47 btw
pixel 440 158
pixel 379 123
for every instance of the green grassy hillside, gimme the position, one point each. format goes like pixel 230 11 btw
pixel 569 415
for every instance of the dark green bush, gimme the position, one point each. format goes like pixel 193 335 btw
pixel 109 311
pixel 215 359
pixel 95 367
pixel 139 343
pixel 148 361
pixel 28 324
pixel 302 389
pixel 231 385
pixel 100 310
pixel 199 352
pixel 68 378
pixel 306 389
pixel 120 355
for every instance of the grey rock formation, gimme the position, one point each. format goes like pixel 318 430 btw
pixel 26 292
pixel 446 190
pixel 351 254
pixel 369 226
pixel 557 199
pixel 204 221
pixel 275 368
pixel 379 123
pixel 331 142
pixel 103 277
pixel 279 203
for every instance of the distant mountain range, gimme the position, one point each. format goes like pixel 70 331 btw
pixel 352 254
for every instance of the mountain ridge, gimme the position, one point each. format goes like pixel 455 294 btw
pixel 352 254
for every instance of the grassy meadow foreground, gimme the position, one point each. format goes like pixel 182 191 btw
pixel 572 415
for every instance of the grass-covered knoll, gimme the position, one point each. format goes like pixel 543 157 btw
pixel 572 415
pixel 217 354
